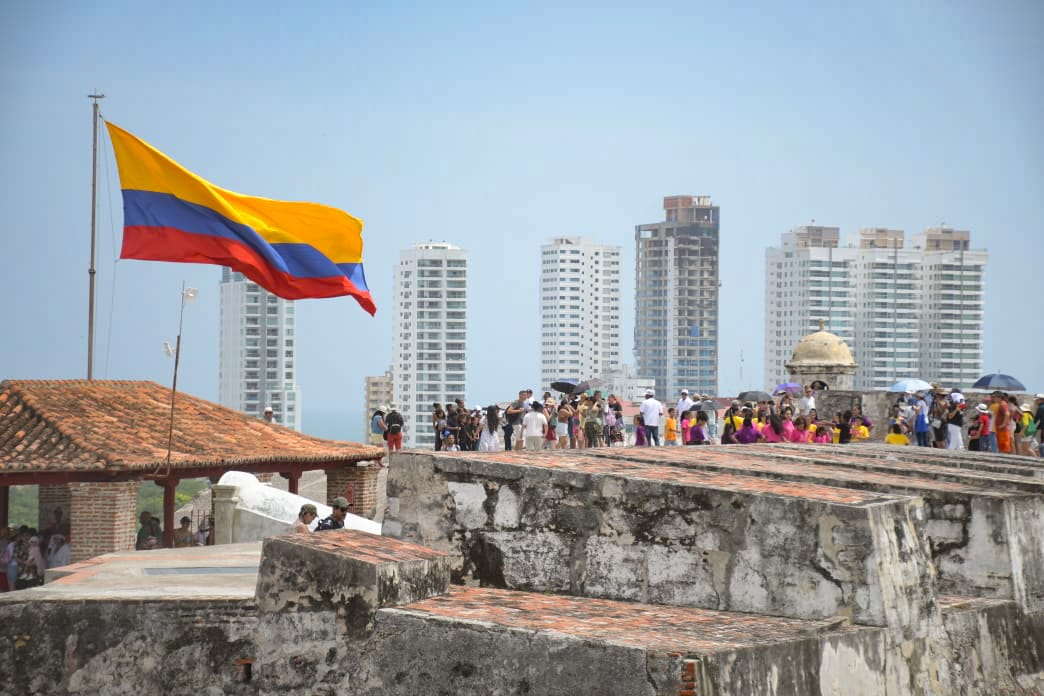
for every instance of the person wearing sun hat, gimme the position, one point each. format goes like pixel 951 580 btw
pixel 980 429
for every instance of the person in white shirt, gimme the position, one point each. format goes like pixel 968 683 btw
pixel 807 402
pixel 652 412
pixel 684 404
pixel 534 425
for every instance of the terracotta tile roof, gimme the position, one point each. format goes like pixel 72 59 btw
pixel 99 425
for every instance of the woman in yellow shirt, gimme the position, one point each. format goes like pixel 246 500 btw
pixel 895 436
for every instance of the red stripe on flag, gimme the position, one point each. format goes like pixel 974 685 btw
pixel 176 246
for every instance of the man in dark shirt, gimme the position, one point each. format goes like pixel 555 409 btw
pixel 513 416
pixel 336 518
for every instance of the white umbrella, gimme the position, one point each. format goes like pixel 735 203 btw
pixel 910 385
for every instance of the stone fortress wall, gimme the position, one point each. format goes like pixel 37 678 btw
pixel 766 569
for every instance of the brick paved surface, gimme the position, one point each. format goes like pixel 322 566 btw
pixel 368 548
pixel 596 463
pixel 651 627
pixel 747 461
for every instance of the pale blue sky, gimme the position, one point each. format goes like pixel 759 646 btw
pixel 496 129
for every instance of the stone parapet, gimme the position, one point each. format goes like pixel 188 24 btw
pixel 317 594
pixel 980 537
pixel 596 527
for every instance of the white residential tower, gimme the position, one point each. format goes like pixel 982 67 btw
pixel 257 351
pixel 430 335
pixel 905 310
pixel 579 310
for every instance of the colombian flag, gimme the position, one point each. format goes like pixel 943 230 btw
pixel 293 250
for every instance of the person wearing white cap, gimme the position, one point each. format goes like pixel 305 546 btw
pixel 652 412
pixel 979 432
pixel 268 414
pixel 684 403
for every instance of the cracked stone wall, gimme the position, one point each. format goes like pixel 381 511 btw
pixel 125 647
pixel 317 600
pixel 652 541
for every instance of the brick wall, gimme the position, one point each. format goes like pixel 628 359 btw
pixel 51 497
pixel 104 517
pixel 363 481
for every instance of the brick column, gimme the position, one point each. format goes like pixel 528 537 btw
pixel 103 518
pixel 363 481
pixel 51 497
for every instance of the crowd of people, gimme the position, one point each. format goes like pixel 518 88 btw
pixel 942 419
pixel 150 533
pixel 25 552
pixel 934 418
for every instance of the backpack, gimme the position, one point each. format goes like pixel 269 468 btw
pixel 394 423
pixel 1031 429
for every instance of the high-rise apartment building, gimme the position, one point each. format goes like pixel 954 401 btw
pixel 430 335
pixel 579 310
pixel 906 310
pixel 676 297
pixel 257 351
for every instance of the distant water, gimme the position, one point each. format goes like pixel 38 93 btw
pixel 347 424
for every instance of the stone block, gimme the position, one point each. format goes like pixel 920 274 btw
pixel 656 534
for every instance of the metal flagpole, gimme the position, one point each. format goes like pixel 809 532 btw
pixel 94 214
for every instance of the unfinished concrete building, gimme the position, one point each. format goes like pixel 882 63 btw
pixel 676 297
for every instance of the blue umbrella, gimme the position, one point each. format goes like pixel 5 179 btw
pixel 791 387
pixel 910 385
pixel 998 381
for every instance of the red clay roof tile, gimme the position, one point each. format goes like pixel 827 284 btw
pixel 97 425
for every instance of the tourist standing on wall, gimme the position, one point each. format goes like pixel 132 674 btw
pixel 685 404
pixel 514 414
pixel 807 402
pixel 652 413
pixel 921 424
pixel 1001 423
pixel 535 426
pixel 954 426
pixel 395 423
pixel 488 441
pixel 710 407
pixel 377 427
pixel 594 423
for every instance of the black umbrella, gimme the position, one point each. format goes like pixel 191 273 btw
pixel 754 396
pixel 564 386
pixel 999 381
pixel 586 385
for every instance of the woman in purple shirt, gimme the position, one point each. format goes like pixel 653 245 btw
pixel 748 434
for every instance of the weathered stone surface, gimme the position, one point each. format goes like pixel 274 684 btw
pixel 124 647
pixel 317 597
pixel 646 533
pixel 977 535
